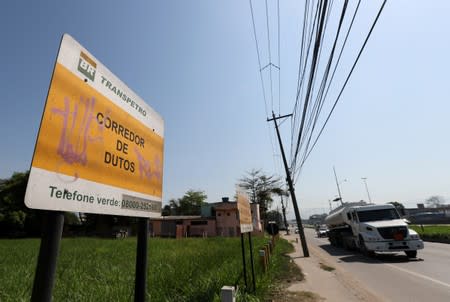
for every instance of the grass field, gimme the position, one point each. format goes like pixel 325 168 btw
pixel 433 232
pixel 91 269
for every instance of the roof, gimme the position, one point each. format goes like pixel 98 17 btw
pixel 226 206
pixel 177 217
pixel 374 207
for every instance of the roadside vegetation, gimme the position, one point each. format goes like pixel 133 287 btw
pixel 190 269
pixel 438 233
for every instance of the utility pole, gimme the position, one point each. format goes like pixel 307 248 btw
pixel 337 184
pixel 291 186
pixel 367 189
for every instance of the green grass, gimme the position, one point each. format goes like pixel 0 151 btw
pixel 91 269
pixel 433 232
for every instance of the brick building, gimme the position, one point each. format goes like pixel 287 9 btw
pixel 216 219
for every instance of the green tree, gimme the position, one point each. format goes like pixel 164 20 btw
pixel 71 218
pixel 15 218
pixel 189 204
pixel 435 201
pixel 275 216
pixel 260 188
pixel 166 210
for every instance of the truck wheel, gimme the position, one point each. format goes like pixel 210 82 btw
pixel 363 248
pixel 332 240
pixel 411 254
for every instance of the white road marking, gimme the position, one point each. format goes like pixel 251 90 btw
pixel 420 276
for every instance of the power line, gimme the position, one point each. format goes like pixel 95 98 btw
pixel 300 80
pixel 261 74
pixel 270 55
pixel 259 58
pixel 311 74
pixel 346 81
pixel 279 59
pixel 313 111
pixel 320 100
pixel 301 71
pixel 335 68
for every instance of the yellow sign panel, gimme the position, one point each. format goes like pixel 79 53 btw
pixel 245 213
pixel 85 135
pixel 100 147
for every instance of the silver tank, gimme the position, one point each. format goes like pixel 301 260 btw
pixel 338 216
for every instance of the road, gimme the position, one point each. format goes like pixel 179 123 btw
pixel 394 277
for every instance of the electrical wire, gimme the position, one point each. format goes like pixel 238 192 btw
pixel 311 73
pixel 259 58
pixel 261 74
pixel 270 55
pixel 319 100
pixel 279 59
pixel 346 81
pixel 317 67
pixel 300 82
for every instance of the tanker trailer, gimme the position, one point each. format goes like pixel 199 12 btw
pixel 371 228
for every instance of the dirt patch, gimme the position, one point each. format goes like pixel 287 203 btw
pixel 326 267
pixel 302 296
pixel 279 293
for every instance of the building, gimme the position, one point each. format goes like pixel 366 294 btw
pixel 216 219
pixel 182 226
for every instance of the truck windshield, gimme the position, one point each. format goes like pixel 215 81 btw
pixel 375 215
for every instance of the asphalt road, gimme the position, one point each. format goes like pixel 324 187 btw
pixel 394 277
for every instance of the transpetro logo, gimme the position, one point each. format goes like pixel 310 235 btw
pixel 87 66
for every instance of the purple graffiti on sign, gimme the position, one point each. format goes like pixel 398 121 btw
pixel 146 170
pixel 75 138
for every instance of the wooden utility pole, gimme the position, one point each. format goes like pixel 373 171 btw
pixel 291 187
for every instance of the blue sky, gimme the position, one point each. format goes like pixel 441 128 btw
pixel 195 63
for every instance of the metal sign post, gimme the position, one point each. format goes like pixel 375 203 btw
pixel 246 226
pixel 48 254
pixel 141 261
pixel 251 261
pixel 243 260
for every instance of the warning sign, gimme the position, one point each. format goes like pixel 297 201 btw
pixel 245 213
pixel 99 147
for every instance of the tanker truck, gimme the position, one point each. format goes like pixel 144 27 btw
pixel 371 228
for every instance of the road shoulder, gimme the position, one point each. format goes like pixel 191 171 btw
pixel 325 278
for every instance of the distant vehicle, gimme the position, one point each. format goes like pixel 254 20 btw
pixel 371 228
pixel 428 217
pixel 322 231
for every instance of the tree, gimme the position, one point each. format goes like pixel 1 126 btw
pixel 15 218
pixel 260 188
pixel 71 218
pixel 275 216
pixel 189 204
pixel 400 207
pixel 435 201
pixel 280 192
pixel 166 210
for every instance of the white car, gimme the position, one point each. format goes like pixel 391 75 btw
pixel 322 231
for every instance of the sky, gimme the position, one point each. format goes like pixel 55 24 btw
pixel 195 63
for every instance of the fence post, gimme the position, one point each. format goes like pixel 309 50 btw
pixel 262 258
pixel 227 294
